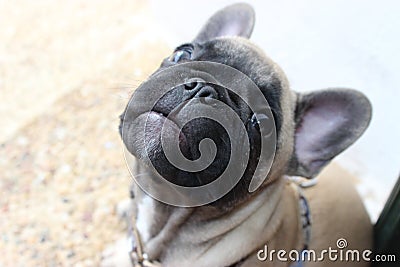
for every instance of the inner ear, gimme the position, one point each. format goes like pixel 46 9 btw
pixel 233 20
pixel 327 122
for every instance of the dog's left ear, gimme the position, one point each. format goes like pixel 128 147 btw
pixel 234 20
pixel 327 122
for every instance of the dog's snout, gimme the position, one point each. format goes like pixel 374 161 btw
pixel 199 88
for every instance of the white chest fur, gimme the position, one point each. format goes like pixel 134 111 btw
pixel 145 217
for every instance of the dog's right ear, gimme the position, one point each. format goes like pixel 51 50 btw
pixel 327 122
pixel 234 20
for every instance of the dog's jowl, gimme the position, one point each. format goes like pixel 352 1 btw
pixel 219 103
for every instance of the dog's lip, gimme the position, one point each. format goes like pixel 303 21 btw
pixel 169 115
pixel 158 125
pixel 161 114
pixel 157 113
pixel 163 118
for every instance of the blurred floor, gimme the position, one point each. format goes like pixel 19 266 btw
pixel 49 48
pixel 67 69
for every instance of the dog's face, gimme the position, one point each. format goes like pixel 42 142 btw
pixel 310 129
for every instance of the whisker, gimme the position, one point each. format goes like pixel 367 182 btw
pixel 141 174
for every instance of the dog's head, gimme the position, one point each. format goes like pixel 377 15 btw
pixel 309 129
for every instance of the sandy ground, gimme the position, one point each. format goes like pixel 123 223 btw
pixel 66 72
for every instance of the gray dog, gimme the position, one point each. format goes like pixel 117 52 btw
pixel 244 228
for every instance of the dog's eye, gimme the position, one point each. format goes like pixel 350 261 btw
pixel 184 53
pixel 261 121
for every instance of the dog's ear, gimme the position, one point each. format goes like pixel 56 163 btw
pixel 233 20
pixel 327 122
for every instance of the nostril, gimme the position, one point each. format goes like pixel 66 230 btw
pixel 190 85
pixel 194 83
pixel 207 92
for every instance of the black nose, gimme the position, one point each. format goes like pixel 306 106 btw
pixel 199 88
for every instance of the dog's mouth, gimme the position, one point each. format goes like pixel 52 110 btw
pixel 143 136
pixel 176 126
pixel 159 125
pixel 176 132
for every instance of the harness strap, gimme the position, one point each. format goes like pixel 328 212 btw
pixel 305 220
pixel 305 214
pixel 136 254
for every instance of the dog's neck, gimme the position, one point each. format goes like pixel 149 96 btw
pixel 181 236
